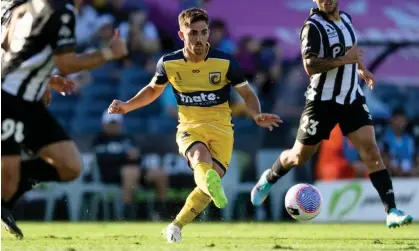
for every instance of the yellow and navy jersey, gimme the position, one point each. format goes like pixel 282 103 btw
pixel 202 89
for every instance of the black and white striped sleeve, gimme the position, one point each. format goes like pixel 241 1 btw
pixel 61 31
pixel 310 41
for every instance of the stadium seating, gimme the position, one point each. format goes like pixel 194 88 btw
pixel 399 96
pixel 135 124
pixel 88 113
pixel 62 108
pixel 100 90
pixel 160 124
pixel 245 126
pixel 73 191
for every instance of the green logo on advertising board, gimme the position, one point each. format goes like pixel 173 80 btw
pixel 338 197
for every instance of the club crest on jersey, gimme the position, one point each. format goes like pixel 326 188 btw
pixel 215 78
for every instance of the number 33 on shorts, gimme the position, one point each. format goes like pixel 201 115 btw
pixel 10 128
pixel 309 125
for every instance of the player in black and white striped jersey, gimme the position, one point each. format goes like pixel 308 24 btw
pixel 333 62
pixel 322 38
pixel 38 36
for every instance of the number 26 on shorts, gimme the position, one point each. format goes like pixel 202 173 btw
pixel 309 125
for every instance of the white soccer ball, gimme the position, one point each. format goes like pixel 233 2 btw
pixel 303 202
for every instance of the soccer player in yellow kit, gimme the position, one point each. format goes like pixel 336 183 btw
pixel 201 79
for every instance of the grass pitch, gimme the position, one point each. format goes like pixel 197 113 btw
pixel 211 236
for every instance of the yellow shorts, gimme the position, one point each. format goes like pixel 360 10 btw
pixel 218 139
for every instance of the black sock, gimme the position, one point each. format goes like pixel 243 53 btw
pixel 382 183
pixel 39 170
pixel 24 186
pixel 277 171
pixel 33 172
pixel 6 211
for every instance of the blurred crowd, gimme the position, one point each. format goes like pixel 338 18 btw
pixel 261 59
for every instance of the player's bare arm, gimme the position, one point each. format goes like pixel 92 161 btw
pixel 250 98
pixel 63 44
pixel 144 97
pixel 70 62
pixel 314 65
pixel 253 105
pixel 311 49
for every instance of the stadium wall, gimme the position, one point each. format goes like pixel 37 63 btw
pixel 357 200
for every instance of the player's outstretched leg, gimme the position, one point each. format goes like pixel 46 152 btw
pixel 207 177
pixel 288 159
pixel 364 140
pixel 35 169
pixel 196 202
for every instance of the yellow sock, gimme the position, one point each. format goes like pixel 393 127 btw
pixel 196 202
pixel 200 171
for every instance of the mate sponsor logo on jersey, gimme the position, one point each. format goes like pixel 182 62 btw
pixel 203 98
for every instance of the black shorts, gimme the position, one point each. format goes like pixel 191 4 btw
pixel 27 123
pixel 320 117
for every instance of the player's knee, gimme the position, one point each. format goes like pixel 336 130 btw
pixel 66 158
pixel 298 159
pixel 198 153
pixel 70 168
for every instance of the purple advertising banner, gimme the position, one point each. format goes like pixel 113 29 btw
pixel 374 20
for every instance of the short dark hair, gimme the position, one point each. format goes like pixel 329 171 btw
pixel 192 15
